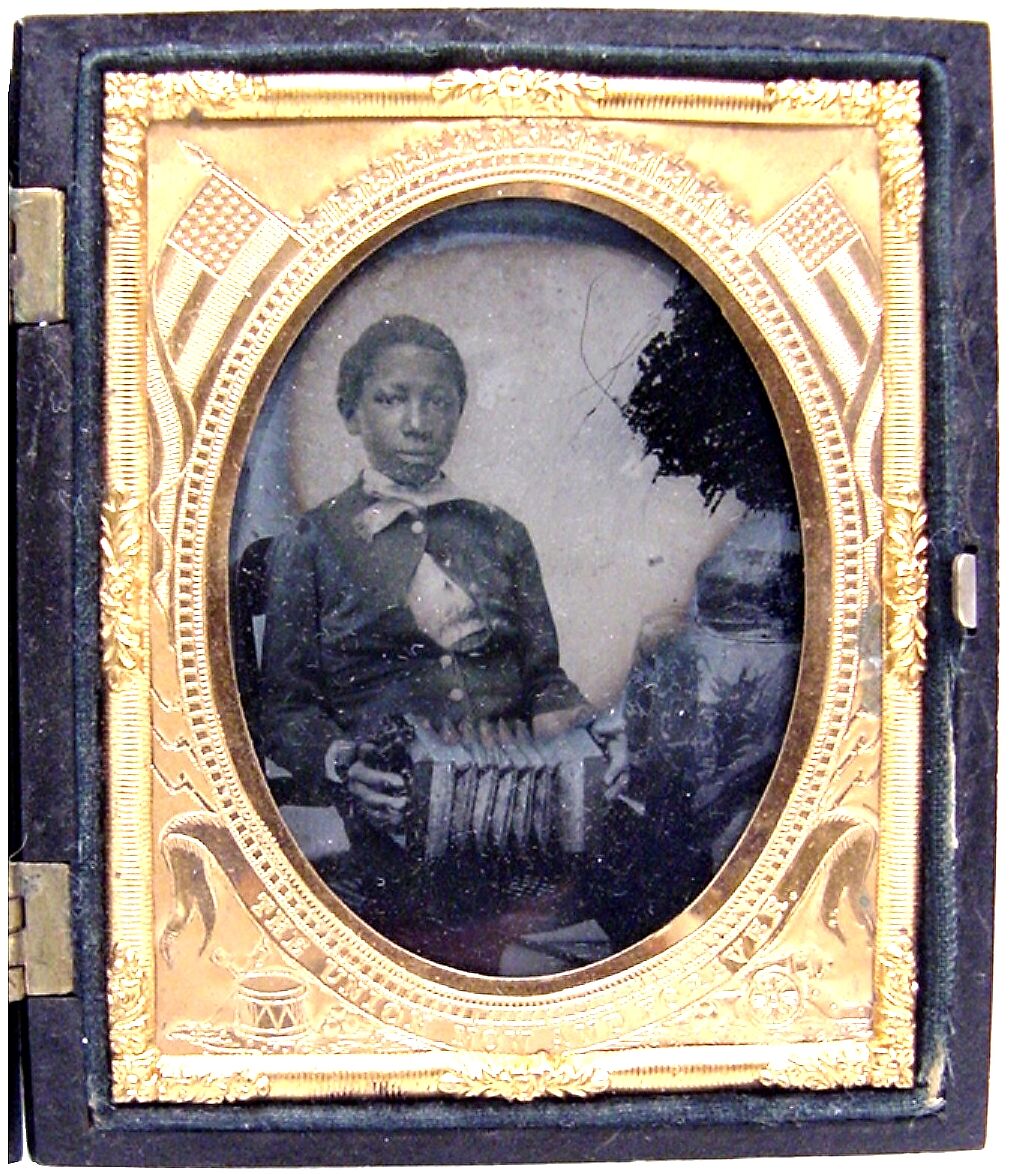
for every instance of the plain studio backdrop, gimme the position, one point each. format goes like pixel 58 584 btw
pixel 550 307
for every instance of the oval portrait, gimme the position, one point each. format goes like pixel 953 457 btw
pixel 516 588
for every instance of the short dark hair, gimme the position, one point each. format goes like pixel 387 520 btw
pixel 358 358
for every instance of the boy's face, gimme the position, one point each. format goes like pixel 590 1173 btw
pixel 408 413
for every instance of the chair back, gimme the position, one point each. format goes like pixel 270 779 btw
pixel 248 607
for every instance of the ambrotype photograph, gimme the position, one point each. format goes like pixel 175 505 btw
pixel 516 588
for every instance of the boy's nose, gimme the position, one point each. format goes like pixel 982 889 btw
pixel 416 418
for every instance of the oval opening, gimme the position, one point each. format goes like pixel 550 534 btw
pixel 440 660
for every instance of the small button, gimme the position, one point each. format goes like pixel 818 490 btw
pixel 417 527
pixel 456 694
pixel 445 661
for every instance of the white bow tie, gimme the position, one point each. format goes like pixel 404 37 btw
pixel 394 500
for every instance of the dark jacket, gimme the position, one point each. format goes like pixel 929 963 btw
pixel 342 649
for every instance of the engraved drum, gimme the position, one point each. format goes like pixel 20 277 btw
pixel 270 1007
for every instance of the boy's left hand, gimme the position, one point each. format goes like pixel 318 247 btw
pixel 610 733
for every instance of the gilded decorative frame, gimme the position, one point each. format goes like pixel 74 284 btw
pixel 698 1005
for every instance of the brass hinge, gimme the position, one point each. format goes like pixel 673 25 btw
pixel 37 240
pixel 39 943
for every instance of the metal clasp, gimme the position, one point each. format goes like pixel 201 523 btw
pixel 964 589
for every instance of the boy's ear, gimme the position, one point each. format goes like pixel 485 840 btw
pixel 352 424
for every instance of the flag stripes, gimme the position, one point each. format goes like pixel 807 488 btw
pixel 785 292
pixel 853 271
pixel 802 290
pixel 174 278
pixel 220 258
pixel 848 323
pixel 223 298
pixel 189 314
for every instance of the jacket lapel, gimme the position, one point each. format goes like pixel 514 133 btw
pixel 381 567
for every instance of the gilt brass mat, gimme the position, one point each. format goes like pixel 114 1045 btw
pixel 233 205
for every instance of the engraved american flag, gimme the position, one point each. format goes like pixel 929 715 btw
pixel 815 253
pixel 213 260
pixel 220 258
pixel 816 258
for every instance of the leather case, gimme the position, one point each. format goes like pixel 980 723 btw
pixel 58 802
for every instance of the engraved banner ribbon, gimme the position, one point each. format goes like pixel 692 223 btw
pixel 839 848
pixel 189 843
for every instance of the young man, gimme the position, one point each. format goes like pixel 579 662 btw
pixel 401 596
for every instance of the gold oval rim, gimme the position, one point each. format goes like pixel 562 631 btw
pixel 810 677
